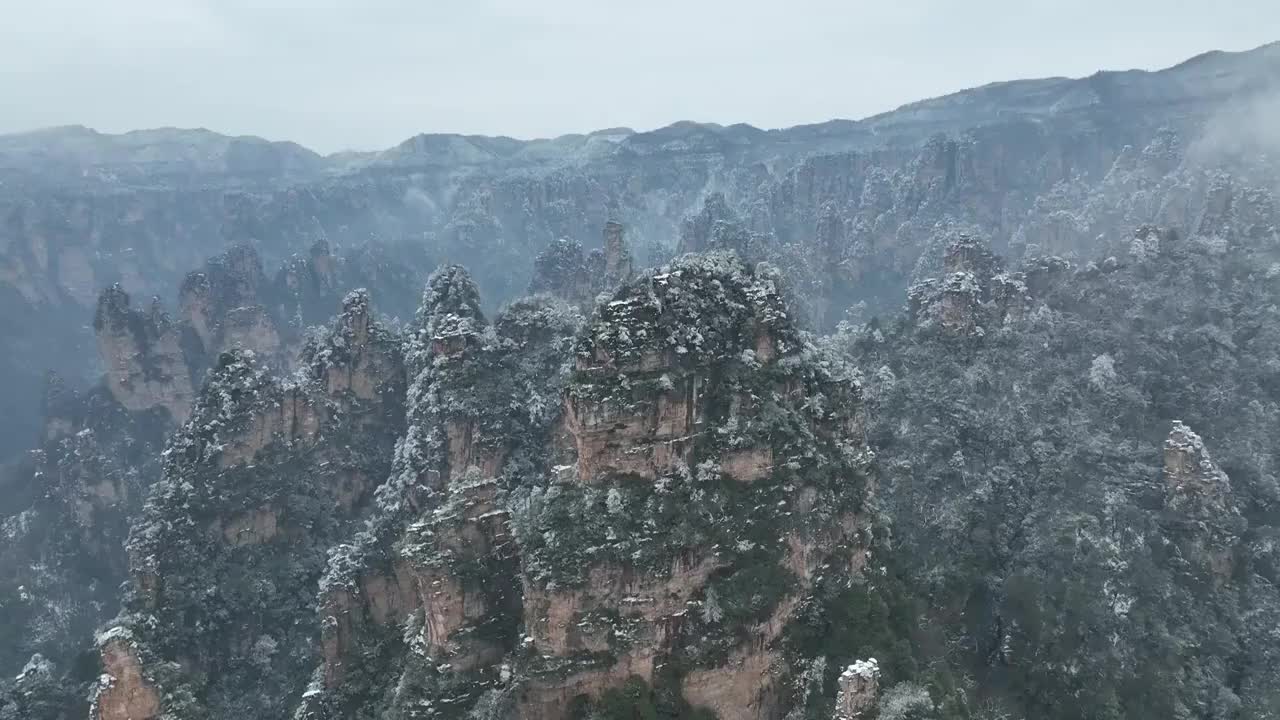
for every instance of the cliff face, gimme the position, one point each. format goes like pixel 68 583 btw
pixel 100 452
pixel 62 558
pixel 563 270
pixel 650 505
pixel 685 522
pixel 433 582
pixel 230 304
pixel 145 364
pixel 153 360
pixel 1203 514
pixel 123 692
pixel 72 500
pixel 263 478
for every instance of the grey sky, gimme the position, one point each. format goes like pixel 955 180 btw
pixel 366 74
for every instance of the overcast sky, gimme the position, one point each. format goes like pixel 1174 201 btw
pixel 366 74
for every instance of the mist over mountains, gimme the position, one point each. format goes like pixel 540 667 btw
pixel 965 410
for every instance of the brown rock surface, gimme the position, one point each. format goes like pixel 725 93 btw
pixel 380 598
pixel 651 603
pixel 642 439
pixel 859 690
pixel 124 693
pixel 142 354
pixel 297 417
pixel 741 689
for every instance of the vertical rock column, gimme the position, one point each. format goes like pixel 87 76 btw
pixel 859 690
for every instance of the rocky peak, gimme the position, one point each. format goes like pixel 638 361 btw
pixel 695 312
pixel 698 232
pixel 439 548
pixel 645 359
pixel 1201 510
pixel 195 303
pixel 617 254
pixel 356 316
pixel 238 276
pixel 142 352
pixel 225 306
pixel 357 355
pixel 306 286
pixel 450 315
pixel 601 526
pixel 1194 484
pixel 236 385
pixel 563 271
pixel 322 261
pixel 974 292
pixel 969 265
pixel 675 375
pixel 859 689
pixel 936 168
pixel 970 254
pixel 266 475
pixel 113 307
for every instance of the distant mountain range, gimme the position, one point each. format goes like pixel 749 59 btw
pixel 1185 93
pixel 967 410
pixel 82 210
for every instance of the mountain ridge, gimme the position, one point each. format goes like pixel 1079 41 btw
pixel 908 123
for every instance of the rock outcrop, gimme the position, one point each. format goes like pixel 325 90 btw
pixel 440 551
pixel 563 270
pixel 229 304
pixel 123 692
pixel 648 504
pixel 100 449
pixel 974 293
pixel 143 356
pixel 1194 485
pixel 1201 509
pixel 859 690
pixel 261 481
pixel 617 255
pixel 674 378
pixel 153 361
